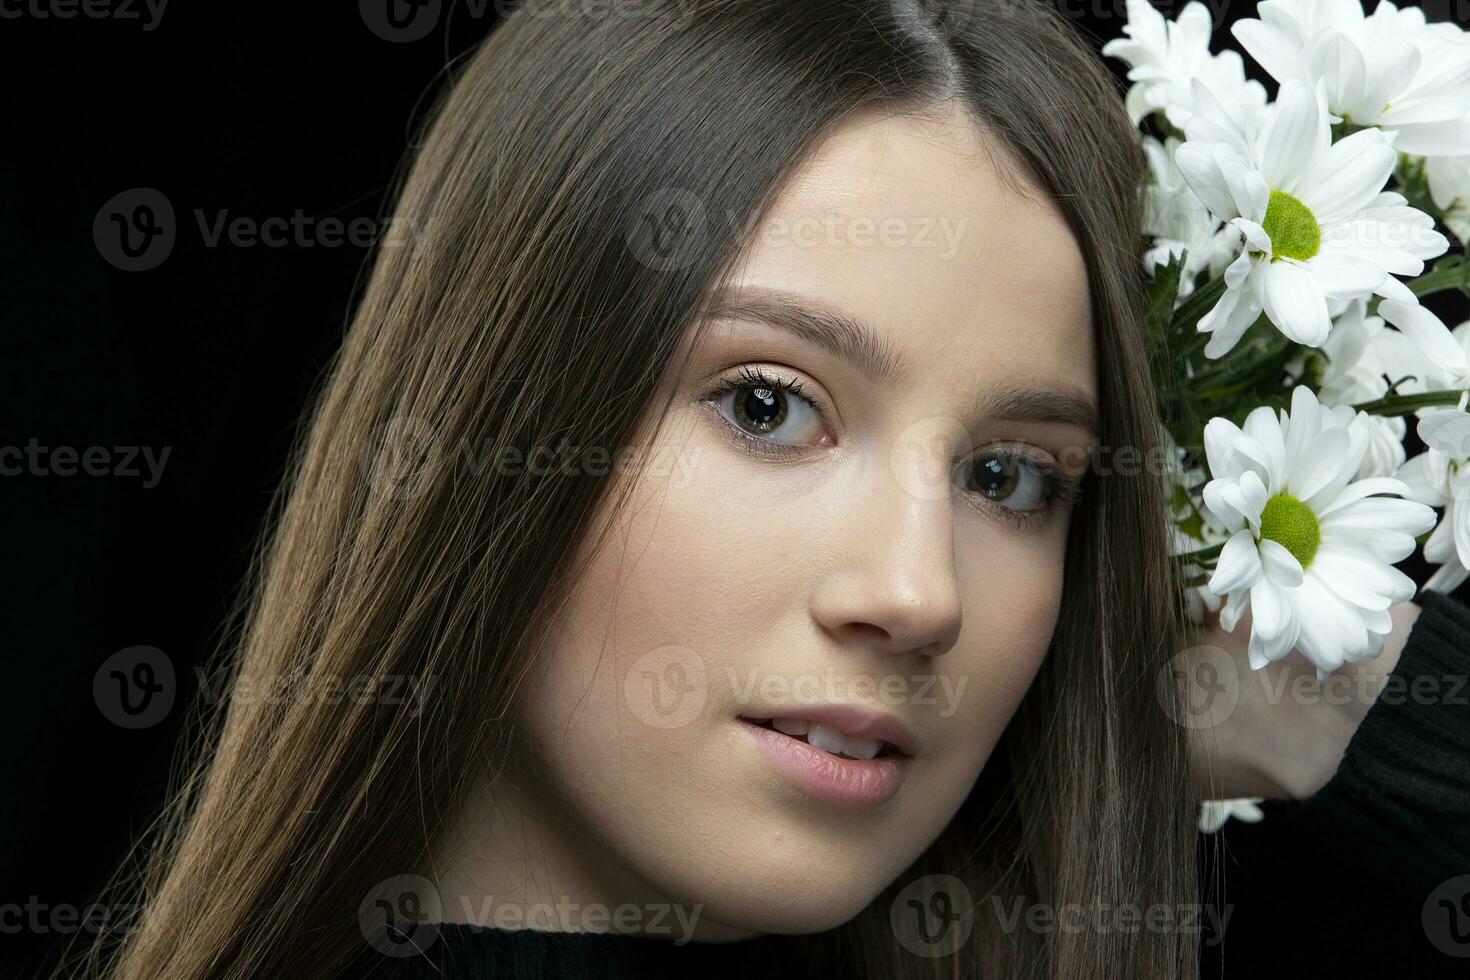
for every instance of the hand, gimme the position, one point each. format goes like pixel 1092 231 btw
pixel 1284 734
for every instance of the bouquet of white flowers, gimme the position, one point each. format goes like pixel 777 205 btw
pixel 1288 247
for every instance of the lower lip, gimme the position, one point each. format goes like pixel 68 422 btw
pixel 857 782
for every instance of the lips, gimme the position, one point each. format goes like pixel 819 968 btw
pixel 830 722
pixel 835 752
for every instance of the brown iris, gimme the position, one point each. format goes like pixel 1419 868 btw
pixel 762 409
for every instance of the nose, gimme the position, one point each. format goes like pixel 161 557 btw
pixel 894 588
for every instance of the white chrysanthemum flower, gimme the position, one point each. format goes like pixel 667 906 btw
pixel 1440 477
pixel 1311 550
pixel 1214 813
pixel 1191 527
pixel 1199 601
pixel 1176 221
pixel 1316 222
pixel 1446 360
pixel 1390 70
pixel 1449 186
pixel 1362 358
pixel 1165 56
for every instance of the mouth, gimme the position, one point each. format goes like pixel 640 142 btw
pixel 829 738
pixel 843 758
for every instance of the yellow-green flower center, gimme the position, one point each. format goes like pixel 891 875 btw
pixel 1292 226
pixel 1291 524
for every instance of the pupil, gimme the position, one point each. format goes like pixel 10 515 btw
pixel 994 477
pixel 761 408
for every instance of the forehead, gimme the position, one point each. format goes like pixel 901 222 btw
pixel 906 223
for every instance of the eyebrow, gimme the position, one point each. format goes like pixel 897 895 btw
pixel 832 330
pixel 1027 403
pixel 853 341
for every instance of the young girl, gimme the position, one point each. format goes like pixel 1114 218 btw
pixel 717 463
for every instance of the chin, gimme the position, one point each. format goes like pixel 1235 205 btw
pixel 790 880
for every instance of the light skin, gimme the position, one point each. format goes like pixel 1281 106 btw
pixel 849 553
pixel 861 556
pixel 1286 734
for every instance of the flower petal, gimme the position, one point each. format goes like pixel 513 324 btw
pixel 1280 565
pixel 1448 432
pixel 1345 276
pixel 1295 302
pixel 1239 565
pixel 1361 489
pixel 1272 48
pixel 1348 176
pixel 1426 330
pixel 1294 136
pixel 1320 463
pixel 1424 480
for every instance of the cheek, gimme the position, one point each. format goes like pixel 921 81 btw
pixel 1012 596
pixel 642 650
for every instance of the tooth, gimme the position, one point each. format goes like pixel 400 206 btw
pixel 826 738
pixel 862 748
pixel 789 726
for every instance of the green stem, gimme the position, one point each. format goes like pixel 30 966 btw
pixel 1394 405
pixel 1195 581
pixel 1202 555
pixel 1187 317
pixel 1450 272
pixel 1248 363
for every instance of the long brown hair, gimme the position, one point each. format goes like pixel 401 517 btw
pixel 538 295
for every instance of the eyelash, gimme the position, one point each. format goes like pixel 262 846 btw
pixel 1060 488
pixel 755 377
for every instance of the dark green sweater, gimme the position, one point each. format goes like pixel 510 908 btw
pixel 1370 877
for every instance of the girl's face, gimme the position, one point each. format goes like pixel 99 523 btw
pixel 853 522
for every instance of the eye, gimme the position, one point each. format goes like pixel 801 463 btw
pixel 769 409
pixel 1019 481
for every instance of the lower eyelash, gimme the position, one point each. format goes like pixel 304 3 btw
pixel 754 377
pixel 1060 489
pixel 747 442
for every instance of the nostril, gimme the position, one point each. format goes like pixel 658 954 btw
pixel 869 629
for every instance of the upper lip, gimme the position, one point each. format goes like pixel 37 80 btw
pixel 849 719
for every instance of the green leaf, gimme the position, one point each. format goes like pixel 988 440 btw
pixel 1163 293
pixel 1450 272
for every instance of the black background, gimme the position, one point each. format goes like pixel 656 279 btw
pixel 250 111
